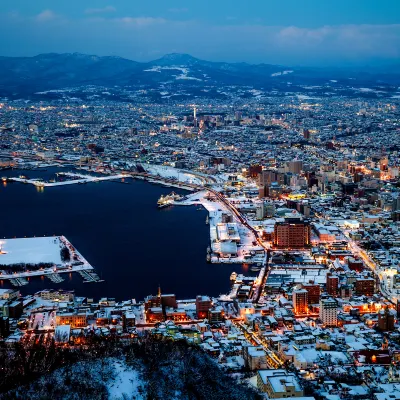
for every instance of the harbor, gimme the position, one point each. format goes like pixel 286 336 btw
pixel 130 255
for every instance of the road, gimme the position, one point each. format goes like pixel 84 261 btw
pixel 273 359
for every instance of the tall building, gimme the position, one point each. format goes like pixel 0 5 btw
pixel 328 311
pixel 314 292
pixel 365 286
pixel 300 301
pixel 295 166
pixel 332 284
pixel 203 305
pixel 293 233
pixel 267 177
pixel 386 320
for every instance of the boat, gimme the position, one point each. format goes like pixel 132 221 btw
pixel 233 276
pixel 168 200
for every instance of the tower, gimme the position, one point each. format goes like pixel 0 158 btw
pixel 195 115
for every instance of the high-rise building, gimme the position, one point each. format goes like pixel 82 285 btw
pixel 203 305
pixel 386 320
pixel 266 177
pixel 300 301
pixel 295 166
pixel 332 284
pixel 314 292
pixel 328 311
pixel 293 233
pixel 365 286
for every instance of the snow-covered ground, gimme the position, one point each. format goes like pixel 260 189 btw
pixel 183 72
pixel 126 382
pixel 30 250
pixel 281 73
pixel 82 179
pixel 40 250
pixel 168 172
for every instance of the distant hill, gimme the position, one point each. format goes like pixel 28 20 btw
pixel 26 75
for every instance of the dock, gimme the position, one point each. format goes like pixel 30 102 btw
pixel 19 281
pixel 89 276
pixel 55 278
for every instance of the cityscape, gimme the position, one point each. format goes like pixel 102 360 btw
pixel 202 230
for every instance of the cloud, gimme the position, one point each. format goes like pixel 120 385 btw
pixel 140 21
pixel 45 15
pixel 140 37
pixel 104 10
pixel 344 40
pixel 178 10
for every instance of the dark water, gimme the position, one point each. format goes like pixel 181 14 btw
pixel 118 229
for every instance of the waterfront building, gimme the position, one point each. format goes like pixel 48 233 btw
pixel 203 305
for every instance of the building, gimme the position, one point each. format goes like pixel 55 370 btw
pixel 332 284
pixel 267 177
pixel 355 264
pixel 294 167
pixel 216 315
pixel 314 292
pixel 154 314
pixel 4 327
pixel 300 301
pixel 328 311
pixel 278 383
pixel 76 320
pixel 176 314
pixel 56 295
pixel 153 301
pixel 203 305
pixel 293 233
pixel 386 320
pixel 9 294
pixel 365 286
pixel 255 357
pixel 168 300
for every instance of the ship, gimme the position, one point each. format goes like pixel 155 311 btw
pixel 165 201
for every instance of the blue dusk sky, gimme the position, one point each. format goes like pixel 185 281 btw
pixel 289 32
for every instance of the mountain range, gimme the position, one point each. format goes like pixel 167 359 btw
pixel 52 71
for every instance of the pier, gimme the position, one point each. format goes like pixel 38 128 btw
pixel 80 178
pixel 90 276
